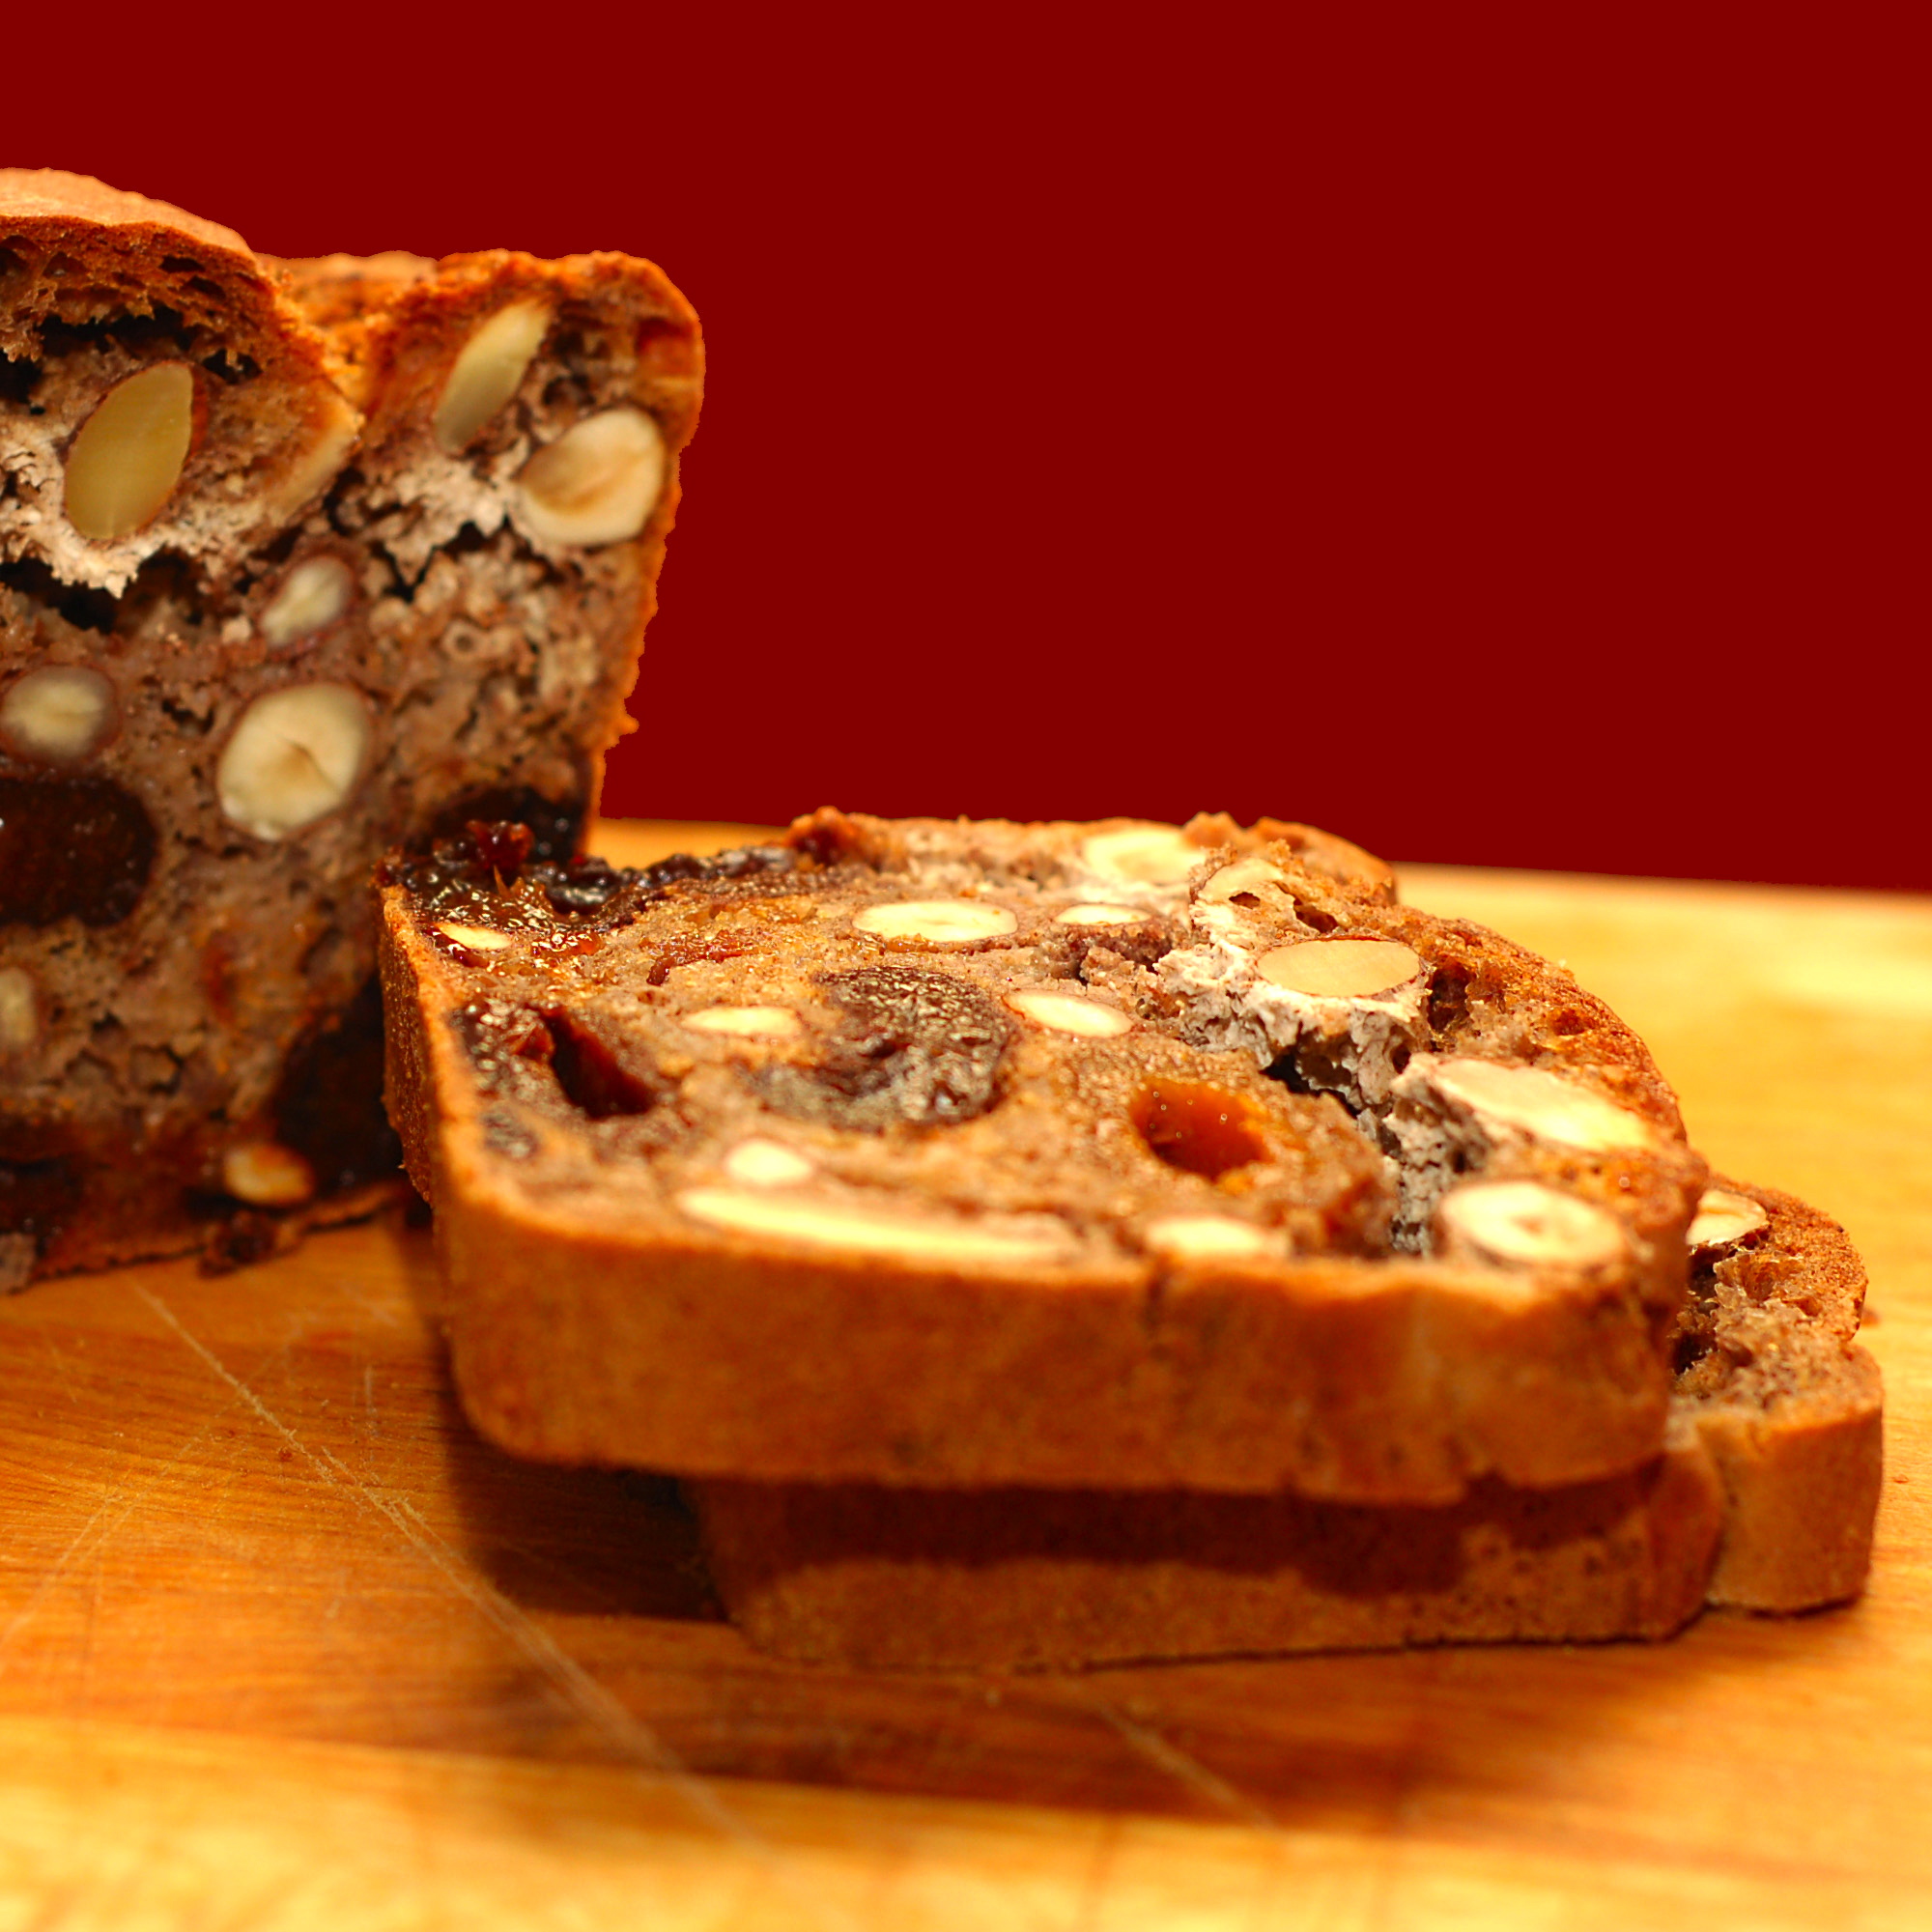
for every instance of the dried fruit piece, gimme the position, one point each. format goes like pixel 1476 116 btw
pixel 1541 1104
pixel 1524 1224
pixel 1157 855
pixel 836 1225
pixel 1069 1013
pixel 747 1022
pixel 1205 1237
pixel 19 1009
pixel 265 1174
pixel 597 483
pixel 1198 1128
pixel 297 755
pixel 60 714
pixel 1723 1218
pixel 313 595
pixel 1339 969
pixel 126 461
pixel 488 371
pixel 72 847
pixel 939 921
pixel 763 1163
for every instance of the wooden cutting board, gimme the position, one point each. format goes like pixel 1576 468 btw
pixel 282 1643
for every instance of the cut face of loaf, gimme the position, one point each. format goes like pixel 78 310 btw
pixel 1763 1499
pixel 298 562
pixel 910 1152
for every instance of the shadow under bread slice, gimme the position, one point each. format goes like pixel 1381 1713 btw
pixel 1763 1499
pixel 900 1151
pixel 298 562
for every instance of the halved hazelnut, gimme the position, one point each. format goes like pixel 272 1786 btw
pixel 60 714
pixel 488 371
pixel 475 938
pixel 19 1009
pixel 1244 878
pixel 1339 969
pixel 308 467
pixel 265 1174
pixel 296 756
pixel 597 483
pixel 763 1163
pixel 313 595
pixel 1156 855
pixel 1099 915
pixel 1201 1238
pixel 833 1224
pixel 126 461
pixel 1541 1104
pixel 1724 1218
pixel 746 1022
pixel 940 921
pixel 1069 1013
pixel 1524 1224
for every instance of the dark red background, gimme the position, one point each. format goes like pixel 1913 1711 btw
pixel 1503 443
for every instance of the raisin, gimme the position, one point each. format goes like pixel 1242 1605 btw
pixel 501 847
pixel 72 847
pixel 554 824
pixel 328 1106
pixel 583 886
pixel 497 1034
pixel 915 1047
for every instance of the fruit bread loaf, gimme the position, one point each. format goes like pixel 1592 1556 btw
pixel 1763 1499
pixel 969 1154
pixel 297 561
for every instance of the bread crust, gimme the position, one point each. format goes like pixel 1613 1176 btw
pixel 1763 1500
pixel 591 1322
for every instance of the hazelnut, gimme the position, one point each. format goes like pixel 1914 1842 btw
pixel 60 714
pixel 295 756
pixel 1154 854
pixel 746 1022
pixel 1339 969
pixel 763 1163
pixel 834 1224
pixel 1724 1218
pixel 1524 1224
pixel 264 1174
pixel 127 457
pixel 1204 1238
pixel 488 371
pixel 597 483
pixel 939 921
pixel 1069 1013
pixel 1544 1105
pixel 1099 915
pixel 313 595
pixel 19 1011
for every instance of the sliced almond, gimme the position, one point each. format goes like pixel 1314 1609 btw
pixel 1524 1224
pixel 1339 969
pixel 488 371
pixel 597 483
pixel 939 921
pixel 829 1224
pixel 266 1175
pixel 1201 1238
pixel 313 595
pixel 763 1163
pixel 1154 854
pixel 1724 1218
pixel 1101 914
pixel 746 1022
pixel 59 713
pixel 475 938
pixel 1069 1013
pixel 126 461
pixel 1545 1105
pixel 295 757
pixel 1244 878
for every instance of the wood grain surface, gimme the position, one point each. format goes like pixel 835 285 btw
pixel 283 1644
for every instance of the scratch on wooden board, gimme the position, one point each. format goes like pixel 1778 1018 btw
pixel 1186 1770
pixel 566 1676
